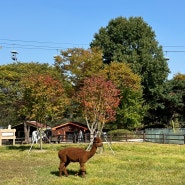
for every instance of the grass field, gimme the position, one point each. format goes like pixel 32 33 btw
pixel 132 164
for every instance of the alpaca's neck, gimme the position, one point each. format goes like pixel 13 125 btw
pixel 92 151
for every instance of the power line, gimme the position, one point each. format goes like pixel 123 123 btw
pixel 23 46
pixel 175 51
pixel 174 46
pixel 47 45
pixel 31 48
pixel 66 43
pixel 43 42
pixel 27 44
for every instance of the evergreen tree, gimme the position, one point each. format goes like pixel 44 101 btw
pixel 133 41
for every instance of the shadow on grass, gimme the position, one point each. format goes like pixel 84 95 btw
pixel 70 172
pixel 21 147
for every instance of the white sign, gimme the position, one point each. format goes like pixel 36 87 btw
pixel 7 134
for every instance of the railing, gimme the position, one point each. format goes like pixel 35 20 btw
pixel 19 140
pixel 141 137
pixel 156 138
pixel 165 138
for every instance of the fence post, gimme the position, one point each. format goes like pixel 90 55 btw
pixel 0 139
pixel 111 138
pixel 126 137
pixel 144 137
pixel 163 138
pixel 84 138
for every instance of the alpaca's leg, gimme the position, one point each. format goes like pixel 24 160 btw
pixel 65 168
pixel 61 168
pixel 82 169
pixel 67 163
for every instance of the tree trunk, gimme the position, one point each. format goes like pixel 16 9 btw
pixel 26 132
pixel 169 119
pixel 40 140
pixel 40 133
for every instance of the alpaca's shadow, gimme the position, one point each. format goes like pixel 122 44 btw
pixel 70 172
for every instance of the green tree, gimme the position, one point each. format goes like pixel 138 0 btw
pixel 133 41
pixel 132 110
pixel 173 101
pixel 132 107
pixel 43 96
pixel 8 95
pixel 76 64
pixel 10 89
pixel 122 75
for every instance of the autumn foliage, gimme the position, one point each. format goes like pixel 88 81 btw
pixel 99 99
pixel 43 96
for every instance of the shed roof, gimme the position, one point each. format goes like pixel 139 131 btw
pixel 84 127
pixel 33 124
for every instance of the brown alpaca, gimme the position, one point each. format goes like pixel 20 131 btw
pixel 80 155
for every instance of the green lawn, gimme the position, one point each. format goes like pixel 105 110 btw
pixel 132 164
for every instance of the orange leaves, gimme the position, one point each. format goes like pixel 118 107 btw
pixel 44 96
pixel 179 76
pixel 99 99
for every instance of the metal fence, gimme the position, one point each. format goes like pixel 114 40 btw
pixel 152 136
pixel 165 136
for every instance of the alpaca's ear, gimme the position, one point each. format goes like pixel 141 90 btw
pixel 97 140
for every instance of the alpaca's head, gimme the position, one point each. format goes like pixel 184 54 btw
pixel 98 142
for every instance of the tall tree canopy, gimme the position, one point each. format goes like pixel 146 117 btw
pixel 75 64
pixel 133 41
pixel 173 101
pixel 132 107
pixel 122 75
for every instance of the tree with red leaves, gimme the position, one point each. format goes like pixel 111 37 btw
pixel 99 99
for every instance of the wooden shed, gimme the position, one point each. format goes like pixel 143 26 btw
pixel 24 130
pixel 71 131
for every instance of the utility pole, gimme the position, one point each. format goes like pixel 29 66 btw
pixel 14 53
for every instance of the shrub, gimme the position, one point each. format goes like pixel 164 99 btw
pixel 119 132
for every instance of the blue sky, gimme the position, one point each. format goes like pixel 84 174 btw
pixel 39 29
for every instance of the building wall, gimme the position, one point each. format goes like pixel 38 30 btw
pixel 66 129
pixel 70 132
